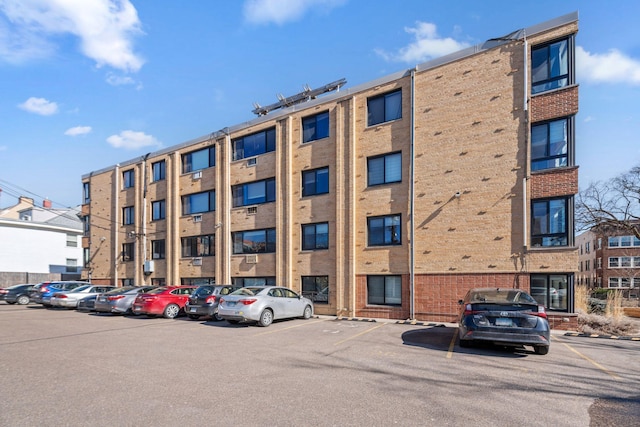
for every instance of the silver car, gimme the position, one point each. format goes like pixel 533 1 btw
pixel 70 299
pixel 264 304
pixel 120 300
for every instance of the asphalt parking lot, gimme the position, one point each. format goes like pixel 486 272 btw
pixel 62 367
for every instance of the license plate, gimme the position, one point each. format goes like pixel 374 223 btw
pixel 231 303
pixel 503 322
pixel 192 310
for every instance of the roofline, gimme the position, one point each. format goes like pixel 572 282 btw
pixel 346 93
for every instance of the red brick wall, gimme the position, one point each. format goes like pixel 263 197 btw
pixel 554 183
pixel 553 104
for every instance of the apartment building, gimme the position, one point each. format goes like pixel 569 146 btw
pixel 389 199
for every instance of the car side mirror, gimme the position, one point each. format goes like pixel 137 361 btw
pixel 460 302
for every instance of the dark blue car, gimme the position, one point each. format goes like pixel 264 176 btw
pixel 42 292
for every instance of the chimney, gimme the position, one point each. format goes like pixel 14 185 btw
pixel 46 204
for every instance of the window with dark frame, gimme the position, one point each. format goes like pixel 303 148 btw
pixel 551 290
pixel 384 290
pixel 159 170
pixel 128 178
pixel 315 236
pixel 158 249
pixel 384 230
pixel 550 144
pixel 128 215
pixel 198 246
pixel 315 127
pixel 243 282
pixel 199 203
pixel 254 241
pixel 254 144
pixel 128 252
pixel 550 66
pixel 316 288
pixel 315 181
pixel 550 222
pixel 86 192
pixel 384 169
pixel 254 193
pixel 198 160
pixel 158 210
pixel 384 108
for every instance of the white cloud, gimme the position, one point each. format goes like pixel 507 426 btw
pixel 106 29
pixel 426 45
pixel 39 106
pixel 131 140
pixel 281 11
pixel 78 130
pixel 611 67
pixel 115 80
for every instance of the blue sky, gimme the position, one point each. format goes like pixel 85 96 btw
pixel 86 84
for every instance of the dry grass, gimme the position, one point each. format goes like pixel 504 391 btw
pixel 612 322
pixel 614 305
pixel 582 299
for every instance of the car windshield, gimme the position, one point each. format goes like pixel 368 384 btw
pixel 248 291
pixel 501 296
pixel 157 290
pixel 204 291
pixel 80 288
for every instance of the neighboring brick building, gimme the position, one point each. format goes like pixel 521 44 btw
pixel 389 199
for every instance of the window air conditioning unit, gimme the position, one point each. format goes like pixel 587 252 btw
pixel 197 175
pixel 197 261
pixel 252 162
pixel 149 266
pixel 252 210
pixel 251 259
pixel 197 218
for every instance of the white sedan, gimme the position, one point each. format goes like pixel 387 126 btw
pixel 70 299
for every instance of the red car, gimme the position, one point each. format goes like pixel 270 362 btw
pixel 167 301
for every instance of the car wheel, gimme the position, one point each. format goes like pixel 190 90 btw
pixel 541 349
pixel 233 322
pixel 266 318
pixel 171 311
pixel 194 317
pixel 10 302
pixel 23 300
pixel 465 343
pixel 307 312
pixel 216 317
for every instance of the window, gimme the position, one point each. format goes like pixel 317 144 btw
pixel 550 143
pixel 624 262
pixel 158 281
pixel 624 282
pixel 549 222
pixel 198 246
pixel 384 230
pixel 128 215
pixel 254 144
pixel 384 108
pixel 159 170
pixel 254 193
pixel 587 265
pixel 86 257
pixel 255 241
pixel 587 247
pixel 72 240
pixel 158 210
pixel 316 288
pixel 87 224
pixel 127 252
pixel 198 160
pixel 199 202
pixel 624 242
pixel 128 179
pixel 384 169
pixel 315 127
pixel 197 281
pixel 551 290
pixel 550 66
pixel 315 236
pixel 384 290
pixel 86 192
pixel 599 263
pixel 157 249
pixel 315 181
pixel 241 282
pixel 72 265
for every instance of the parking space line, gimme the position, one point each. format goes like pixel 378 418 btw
pixel 273 331
pixel 452 344
pixel 593 362
pixel 361 333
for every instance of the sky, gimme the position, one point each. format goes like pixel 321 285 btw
pixel 87 84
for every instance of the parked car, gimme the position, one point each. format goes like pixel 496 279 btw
pixel 509 317
pixel 41 293
pixel 87 303
pixel 264 304
pixel 204 301
pixel 120 300
pixel 16 294
pixel 70 298
pixel 168 301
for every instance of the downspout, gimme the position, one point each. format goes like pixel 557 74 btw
pixel 144 216
pixel 525 97
pixel 116 210
pixel 411 201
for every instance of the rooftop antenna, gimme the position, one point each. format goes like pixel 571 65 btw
pixel 307 94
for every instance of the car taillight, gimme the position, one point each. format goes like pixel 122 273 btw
pixel 248 301
pixel 115 297
pixel 44 289
pixel 4 291
pixel 210 300
pixel 468 309
pixel 541 312
pixel 60 296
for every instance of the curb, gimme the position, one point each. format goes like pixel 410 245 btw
pixel 610 337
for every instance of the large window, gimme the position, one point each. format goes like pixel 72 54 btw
pixel 86 192
pixel 384 108
pixel 128 216
pixel 624 242
pixel 242 282
pixel 254 193
pixel 315 236
pixel 158 209
pixel 315 181
pixel 199 202
pixel 128 178
pixel 384 230
pixel 255 241
pixel 550 225
pixel 384 290
pixel 551 290
pixel 624 282
pixel 315 127
pixel 551 66
pixel 254 144
pixel 198 246
pixel 197 281
pixel 159 170
pixel 128 251
pixel 550 144
pixel 384 169
pixel 157 249
pixel 624 262
pixel 198 160
pixel 316 288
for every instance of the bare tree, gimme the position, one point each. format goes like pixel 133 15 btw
pixel 613 204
